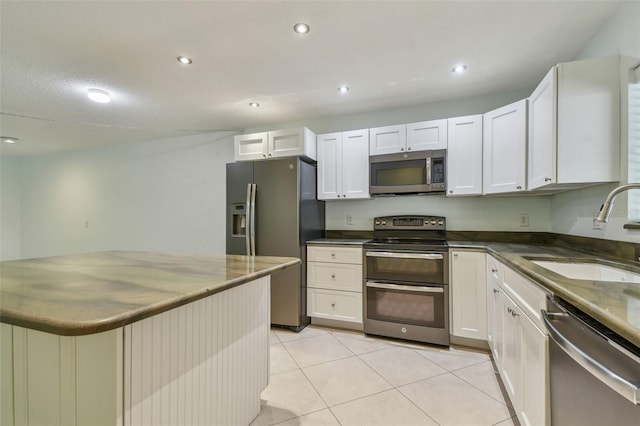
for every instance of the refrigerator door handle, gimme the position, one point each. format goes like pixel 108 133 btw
pixel 247 233
pixel 253 219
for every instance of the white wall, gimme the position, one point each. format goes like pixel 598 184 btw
pixel 10 207
pixel 572 212
pixel 162 195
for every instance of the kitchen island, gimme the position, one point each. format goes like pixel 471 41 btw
pixel 127 338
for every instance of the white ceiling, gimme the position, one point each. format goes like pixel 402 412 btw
pixel 390 53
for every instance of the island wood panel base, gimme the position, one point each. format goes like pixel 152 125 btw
pixel 202 363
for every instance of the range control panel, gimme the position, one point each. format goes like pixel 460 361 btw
pixel 410 222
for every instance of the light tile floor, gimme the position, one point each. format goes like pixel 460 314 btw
pixel 329 377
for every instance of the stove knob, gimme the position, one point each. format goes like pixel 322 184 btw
pixel 440 222
pixel 384 222
pixel 433 222
pixel 377 222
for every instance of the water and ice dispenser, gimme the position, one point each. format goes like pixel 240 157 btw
pixel 239 220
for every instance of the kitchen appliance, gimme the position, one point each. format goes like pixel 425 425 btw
pixel 406 288
pixel 418 172
pixel 272 211
pixel 594 373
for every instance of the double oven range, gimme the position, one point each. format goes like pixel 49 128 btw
pixel 406 279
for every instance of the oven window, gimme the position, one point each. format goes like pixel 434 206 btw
pixel 406 307
pixel 405 269
pixel 399 173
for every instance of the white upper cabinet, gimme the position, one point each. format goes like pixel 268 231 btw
pixel 427 135
pixel 574 125
pixel 280 143
pixel 388 139
pixel 464 156
pixel 343 165
pixel 504 147
pixel 419 136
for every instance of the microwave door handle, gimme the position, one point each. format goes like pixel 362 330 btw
pixel 428 170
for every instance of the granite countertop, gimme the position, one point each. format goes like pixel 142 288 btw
pixel 340 241
pixel 614 304
pixel 89 293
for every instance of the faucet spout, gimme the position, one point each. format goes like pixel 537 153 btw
pixel 605 210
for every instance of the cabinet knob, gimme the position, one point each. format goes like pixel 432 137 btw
pixel 455 254
pixel 408 149
pixel 494 269
pixel 270 155
pixel 338 195
pixel 264 155
pixel 518 187
pixel 496 291
pixel 451 191
pixel 333 255
pixel 344 195
pixel 333 276
pixel 333 305
pixel 547 179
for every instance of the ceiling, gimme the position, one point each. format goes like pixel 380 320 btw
pixel 390 53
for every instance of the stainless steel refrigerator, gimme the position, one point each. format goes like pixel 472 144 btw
pixel 272 210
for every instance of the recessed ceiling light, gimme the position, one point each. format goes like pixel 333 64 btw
pixel 8 139
pixel 254 104
pixel 184 60
pixel 343 89
pixel 99 95
pixel 301 28
pixel 459 69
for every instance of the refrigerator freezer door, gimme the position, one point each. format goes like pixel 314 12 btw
pixel 239 176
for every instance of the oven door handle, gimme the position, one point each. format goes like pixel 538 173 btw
pixel 421 289
pixel 436 256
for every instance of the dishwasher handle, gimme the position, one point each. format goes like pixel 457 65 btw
pixel 627 388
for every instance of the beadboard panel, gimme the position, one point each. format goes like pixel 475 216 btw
pixel 204 363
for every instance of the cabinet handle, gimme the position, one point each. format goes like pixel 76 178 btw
pixel 514 314
pixel 494 270
pixel 455 254
pixel 518 187
pixel 547 179
pixel 496 291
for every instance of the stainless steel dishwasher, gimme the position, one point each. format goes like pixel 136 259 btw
pixel 594 373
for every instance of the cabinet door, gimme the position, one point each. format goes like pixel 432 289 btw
pixel 511 350
pixel 355 164
pixel 494 320
pixel 329 166
pixel 387 140
pixel 542 155
pixel 464 156
pixel 504 149
pixel 250 147
pixel 469 294
pixel 427 135
pixel 534 410
pixel 286 143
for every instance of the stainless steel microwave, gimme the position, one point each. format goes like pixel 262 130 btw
pixel 417 172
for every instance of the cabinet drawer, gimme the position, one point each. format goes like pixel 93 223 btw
pixel 335 305
pixel 528 295
pixel 338 276
pixel 334 254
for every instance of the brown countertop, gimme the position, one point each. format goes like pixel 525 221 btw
pixel 89 293
pixel 616 305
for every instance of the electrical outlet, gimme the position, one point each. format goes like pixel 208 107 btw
pixel 349 219
pixel 523 220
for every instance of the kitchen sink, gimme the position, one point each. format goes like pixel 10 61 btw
pixel 589 271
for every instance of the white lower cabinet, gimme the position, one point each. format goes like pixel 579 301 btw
pixel 518 342
pixel 468 294
pixel 334 283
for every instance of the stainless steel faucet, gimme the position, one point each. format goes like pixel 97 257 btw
pixel 605 210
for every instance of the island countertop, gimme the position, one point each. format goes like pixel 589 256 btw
pixel 75 295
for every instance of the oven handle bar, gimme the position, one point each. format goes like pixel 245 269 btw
pixel 404 255
pixel 421 289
